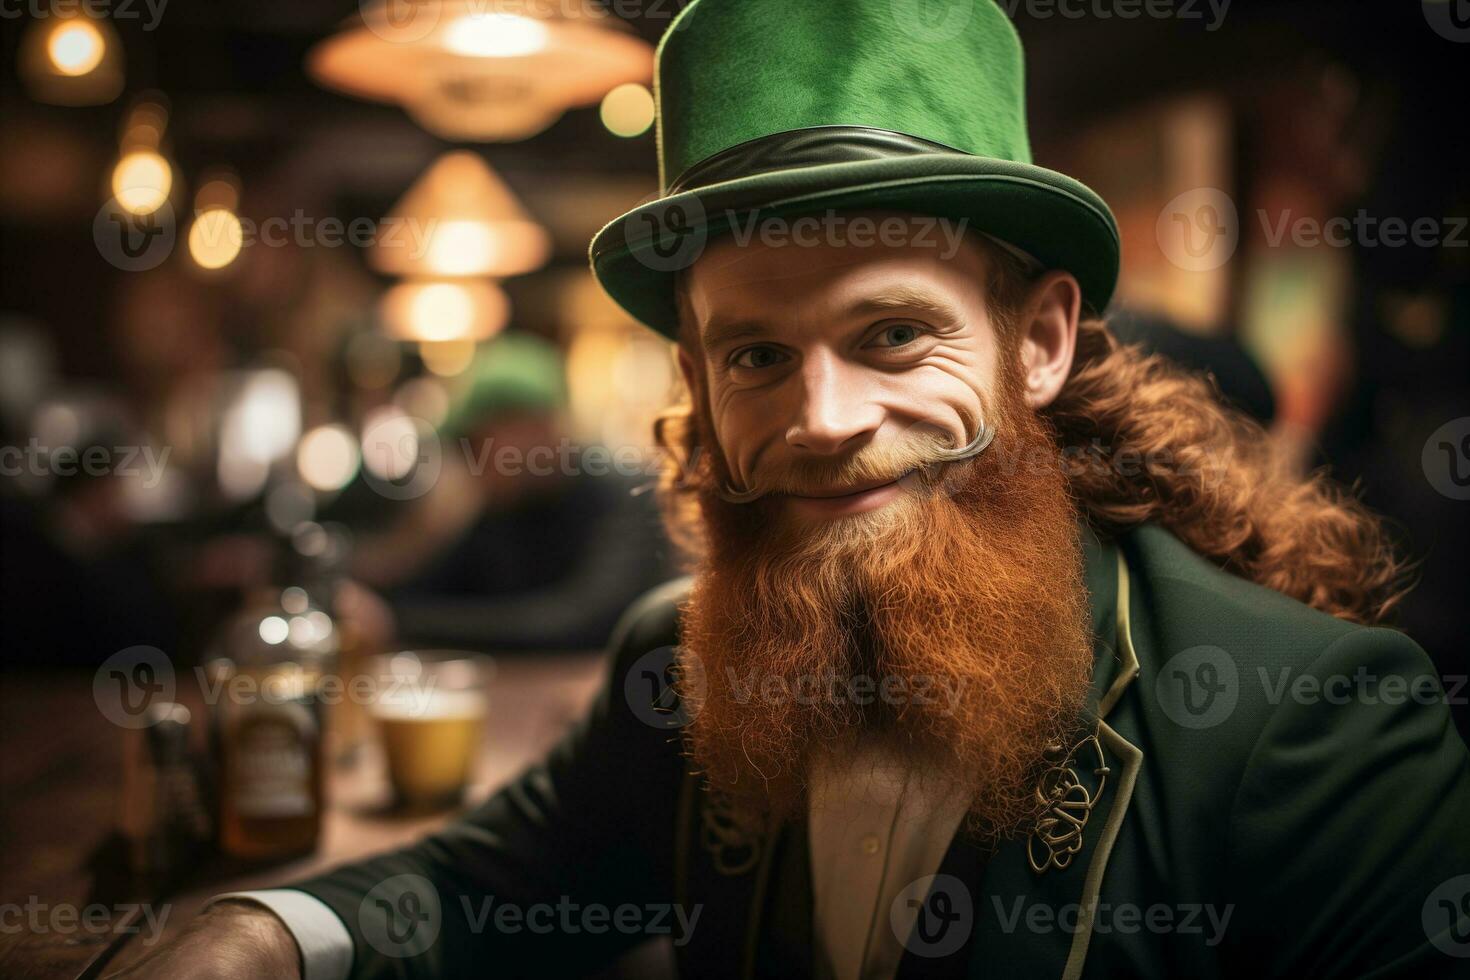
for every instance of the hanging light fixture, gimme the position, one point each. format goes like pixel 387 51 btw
pixel 444 310
pixel 455 231
pixel 468 74
pixel 459 219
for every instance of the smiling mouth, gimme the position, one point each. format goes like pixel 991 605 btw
pixel 853 491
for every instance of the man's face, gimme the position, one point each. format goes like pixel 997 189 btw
pixel 813 354
pixel 843 542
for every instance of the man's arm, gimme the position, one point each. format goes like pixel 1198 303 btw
pixel 545 875
pixel 1352 816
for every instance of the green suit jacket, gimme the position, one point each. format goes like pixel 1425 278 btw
pixel 1272 792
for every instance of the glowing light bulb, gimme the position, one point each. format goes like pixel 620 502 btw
pixel 216 238
pixel 442 311
pixel 141 181
pixel 460 248
pixel 456 309
pixel 76 47
pixel 495 35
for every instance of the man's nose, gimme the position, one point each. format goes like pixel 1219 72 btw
pixel 838 413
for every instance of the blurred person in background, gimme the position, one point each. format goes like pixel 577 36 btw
pixel 1407 348
pixel 526 541
pixel 81 578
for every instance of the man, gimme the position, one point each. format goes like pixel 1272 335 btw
pixel 540 553
pixel 1009 651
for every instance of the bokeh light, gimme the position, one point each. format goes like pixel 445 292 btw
pixel 215 238
pixel 390 443
pixel 439 310
pixel 327 458
pixel 499 35
pixel 447 358
pixel 76 47
pixel 141 181
pixel 461 248
pixel 628 110
pixel 274 630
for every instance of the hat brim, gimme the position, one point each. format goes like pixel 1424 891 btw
pixel 1060 221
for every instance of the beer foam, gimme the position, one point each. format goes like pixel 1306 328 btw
pixel 428 704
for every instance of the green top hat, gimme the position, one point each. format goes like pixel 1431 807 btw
pixel 793 107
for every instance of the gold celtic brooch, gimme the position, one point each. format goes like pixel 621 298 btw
pixel 1067 804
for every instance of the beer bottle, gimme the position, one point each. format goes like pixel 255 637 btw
pixel 265 686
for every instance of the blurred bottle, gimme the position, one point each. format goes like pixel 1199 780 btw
pixel 321 555
pixel 163 816
pixel 268 725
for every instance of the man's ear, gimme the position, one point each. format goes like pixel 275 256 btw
pixel 1049 336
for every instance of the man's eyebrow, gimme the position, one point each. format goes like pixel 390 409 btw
pixel 723 332
pixel 907 299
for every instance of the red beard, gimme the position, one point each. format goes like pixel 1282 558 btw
pixel 951 624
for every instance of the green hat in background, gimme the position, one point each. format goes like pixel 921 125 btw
pixel 513 372
pixel 793 107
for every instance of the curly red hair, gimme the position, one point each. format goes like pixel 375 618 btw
pixel 1227 493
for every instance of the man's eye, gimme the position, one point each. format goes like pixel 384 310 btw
pixel 897 335
pixel 757 357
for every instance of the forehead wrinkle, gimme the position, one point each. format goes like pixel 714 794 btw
pixel 815 258
pixel 841 264
pixel 781 274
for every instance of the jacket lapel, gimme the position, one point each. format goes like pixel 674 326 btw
pixel 1036 898
pixel 725 869
pixel 787 944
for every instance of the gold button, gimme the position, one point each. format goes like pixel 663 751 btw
pixel 870 844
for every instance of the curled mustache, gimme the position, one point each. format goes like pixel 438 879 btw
pixel 924 455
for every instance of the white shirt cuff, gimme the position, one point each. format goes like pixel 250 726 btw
pixel 325 943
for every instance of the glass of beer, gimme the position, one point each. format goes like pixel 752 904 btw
pixel 429 710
